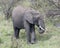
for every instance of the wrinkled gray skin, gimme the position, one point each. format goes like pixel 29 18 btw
pixel 27 19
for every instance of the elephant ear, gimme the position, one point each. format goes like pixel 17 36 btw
pixel 28 17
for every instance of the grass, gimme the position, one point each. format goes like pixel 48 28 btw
pixel 50 39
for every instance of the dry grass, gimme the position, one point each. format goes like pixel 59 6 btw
pixel 50 39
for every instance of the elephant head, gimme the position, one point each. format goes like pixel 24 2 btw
pixel 34 17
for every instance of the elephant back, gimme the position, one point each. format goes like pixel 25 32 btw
pixel 17 12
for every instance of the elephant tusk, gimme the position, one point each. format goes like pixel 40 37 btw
pixel 41 28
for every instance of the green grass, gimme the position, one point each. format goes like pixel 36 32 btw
pixel 50 39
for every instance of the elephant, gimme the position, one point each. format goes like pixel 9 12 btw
pixel 27 18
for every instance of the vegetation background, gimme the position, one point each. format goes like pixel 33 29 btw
pixel 51 37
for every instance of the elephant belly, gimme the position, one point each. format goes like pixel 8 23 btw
pixel 19 25
pixel 18 22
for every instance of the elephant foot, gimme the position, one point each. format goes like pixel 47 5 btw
pixel 32 42
pixel 28 42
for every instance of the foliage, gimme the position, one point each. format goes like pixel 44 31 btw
pixel 42 5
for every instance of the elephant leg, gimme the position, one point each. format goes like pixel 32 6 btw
pixel 33 35
pixel 27 28
pixel 15 37
pixel 16 32
pixel 28 37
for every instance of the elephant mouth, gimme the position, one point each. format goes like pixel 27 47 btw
pixel 41 30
